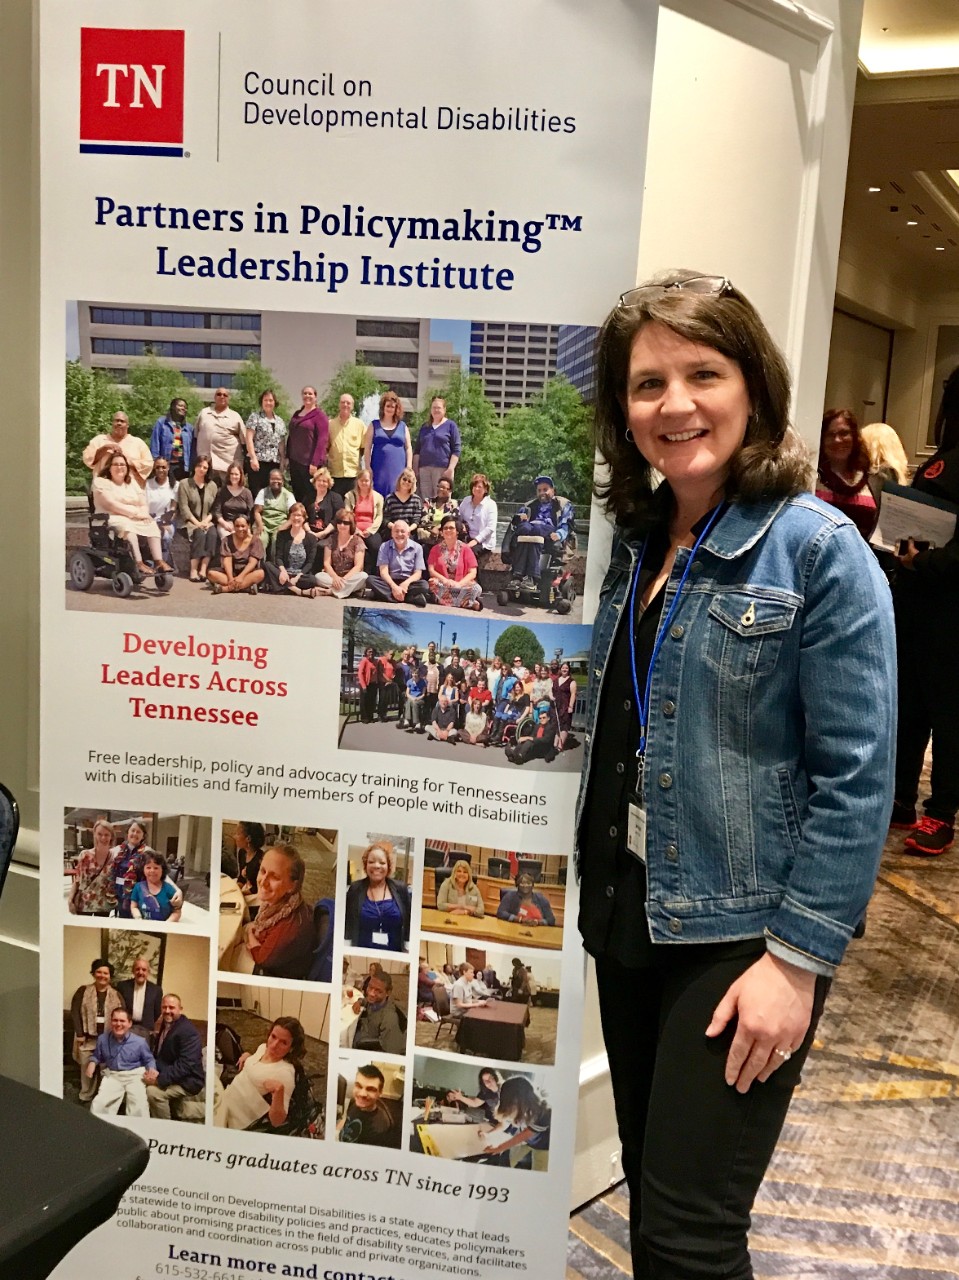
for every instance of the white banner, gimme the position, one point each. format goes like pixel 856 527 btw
pixel 309 755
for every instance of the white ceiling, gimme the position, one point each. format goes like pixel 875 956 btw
pixel 905 141
pixel 909 36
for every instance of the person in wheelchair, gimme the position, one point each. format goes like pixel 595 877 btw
pixel 538 535
pixel 509 711
pixel 539 743
pixel 125 504
pixel 265 1079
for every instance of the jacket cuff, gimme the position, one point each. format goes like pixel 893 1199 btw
pixel 798 958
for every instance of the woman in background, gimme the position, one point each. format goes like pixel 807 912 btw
pixel 843 470
pixel 94 890
pixel 232 499
pixel 378 907
pixel 117 496
pixel 458 893
pixel 523 1124
pixel 242 557
pixel 367 507
pixel 128 859
pixel 280 939
pixel 154 894
pixel 194 499
pixel 343 574
pixel 265 447
pixel 887 457
pixel 265 1080
pixel 325 507
pixel 926 598
pixel 387 444
pixel 564 695
pixel 248 840
pixel 307 441
pixel 291 570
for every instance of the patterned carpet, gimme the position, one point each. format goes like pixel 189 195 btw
pixel 865 1182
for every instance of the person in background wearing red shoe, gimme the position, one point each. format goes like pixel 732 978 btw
pixel 926 598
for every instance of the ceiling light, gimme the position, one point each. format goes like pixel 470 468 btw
pixel 912 223
pixel 874 189
pixel 940 248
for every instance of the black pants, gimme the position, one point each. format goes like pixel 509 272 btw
pixel 694 1149
pixel 373 543
pixel 928 704
pixel 344 485
pixel 304 582
pixel 380 588
pixel 368 704
pixel 301 483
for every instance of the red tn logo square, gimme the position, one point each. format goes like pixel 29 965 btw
pixel 131 91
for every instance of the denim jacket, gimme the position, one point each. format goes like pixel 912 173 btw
pixel 771 736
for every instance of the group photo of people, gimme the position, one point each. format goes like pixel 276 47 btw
pixel 271 1060
pixel 480 1113
pixel 374 1002
pixel 488 1002
pixel 137 866
pixel 496 693
pixel 494 895
pixel 369 1101
pixel 379 899
pixel 277 891
pixel 340 486
pixel 135 1022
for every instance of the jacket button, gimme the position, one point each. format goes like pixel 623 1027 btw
pixel 587 737
pixel 610 891
pixel 675 926
pixel 696 567
pixel 669 707
pixel 677 631
pixel 665 781
pixel 672 853
pixel 627 705
pixel 620 768
pixel 613 833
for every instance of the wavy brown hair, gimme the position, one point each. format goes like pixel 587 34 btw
pixel 772 462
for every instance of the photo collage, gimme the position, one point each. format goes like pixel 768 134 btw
pixel 357 987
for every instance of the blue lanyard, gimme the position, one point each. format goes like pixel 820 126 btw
pixel 642 703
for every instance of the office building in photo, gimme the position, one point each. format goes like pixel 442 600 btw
pixel 514 360
pixel 301 348
pixel 575 357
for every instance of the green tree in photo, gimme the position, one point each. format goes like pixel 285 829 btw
pixel 250 381
pixel 519 640
pixel 92 398
pixel 550 435
pixel 153 384
pixel 357 380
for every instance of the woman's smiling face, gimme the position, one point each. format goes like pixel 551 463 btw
pixel 686 408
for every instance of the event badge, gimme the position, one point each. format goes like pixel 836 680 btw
pixel 381 939
pixel 636 831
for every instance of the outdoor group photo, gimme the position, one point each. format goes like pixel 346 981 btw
pixel 202 470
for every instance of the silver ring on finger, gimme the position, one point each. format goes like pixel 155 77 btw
pixel 785 1054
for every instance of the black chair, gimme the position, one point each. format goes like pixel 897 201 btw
pixel 9 830
pixel 498 868
pixel 441 1003
pixel 64 1170
pixel 531 866
pixel 439 875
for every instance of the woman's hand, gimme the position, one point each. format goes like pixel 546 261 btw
pixel 910 555
pixel 242 1061
pixel 772 1003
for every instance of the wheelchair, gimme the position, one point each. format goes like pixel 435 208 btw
pixel 108 555
pixel 554 587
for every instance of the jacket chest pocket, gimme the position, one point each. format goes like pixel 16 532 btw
pixel 746 632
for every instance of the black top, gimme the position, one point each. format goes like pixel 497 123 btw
pixel 612 904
